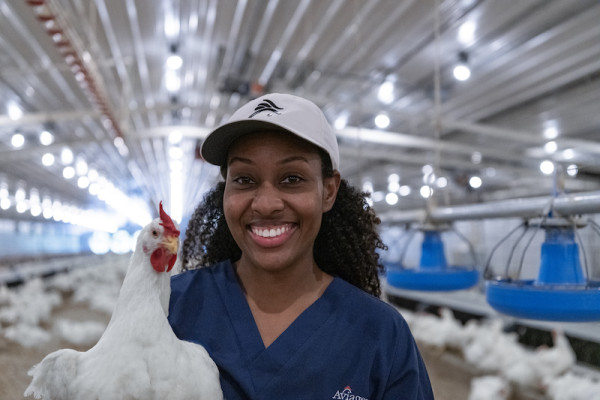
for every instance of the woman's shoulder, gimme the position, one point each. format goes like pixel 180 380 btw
pixel 371 308
pixel 192 277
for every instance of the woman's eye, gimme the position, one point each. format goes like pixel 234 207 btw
pixel 292 179
pixel 243 180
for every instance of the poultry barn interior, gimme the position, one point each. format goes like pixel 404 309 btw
pixel 105 105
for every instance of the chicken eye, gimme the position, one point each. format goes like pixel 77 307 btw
pixel 155 233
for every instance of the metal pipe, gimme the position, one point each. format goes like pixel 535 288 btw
pixel 577 203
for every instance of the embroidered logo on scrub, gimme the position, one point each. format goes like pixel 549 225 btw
pixel 346 394
pixel 266 105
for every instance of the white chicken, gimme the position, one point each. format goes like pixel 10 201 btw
pixel 138 356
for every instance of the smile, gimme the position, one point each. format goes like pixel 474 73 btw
pixel 270 232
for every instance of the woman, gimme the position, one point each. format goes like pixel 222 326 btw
pixel 286 301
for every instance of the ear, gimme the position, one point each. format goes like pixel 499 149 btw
pixel 330 190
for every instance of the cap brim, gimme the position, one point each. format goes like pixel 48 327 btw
pixel 217 143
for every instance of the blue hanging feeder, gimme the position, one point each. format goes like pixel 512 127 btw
pixel 433 272
pixel 561 291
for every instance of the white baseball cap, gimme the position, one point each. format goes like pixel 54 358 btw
pixel 276 111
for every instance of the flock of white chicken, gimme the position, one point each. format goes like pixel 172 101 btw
pixel 26 310
pixel 500 364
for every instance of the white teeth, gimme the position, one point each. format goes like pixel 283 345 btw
pixel 269 233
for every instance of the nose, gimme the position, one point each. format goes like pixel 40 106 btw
pixel 267 199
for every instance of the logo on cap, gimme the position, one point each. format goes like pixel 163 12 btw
pixel 266 105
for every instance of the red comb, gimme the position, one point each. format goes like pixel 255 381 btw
pixel 167 222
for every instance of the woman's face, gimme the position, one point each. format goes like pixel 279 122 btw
pixel 274 199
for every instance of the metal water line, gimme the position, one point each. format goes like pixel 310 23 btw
pixel 569 204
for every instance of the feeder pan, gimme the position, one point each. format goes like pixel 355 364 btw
pixel 560 292
pixel 433 273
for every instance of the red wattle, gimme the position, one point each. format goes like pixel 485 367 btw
pixel 161 258
pixel 172 262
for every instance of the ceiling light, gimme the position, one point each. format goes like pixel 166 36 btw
pixel 568 154
pixel 547 167
pixel 391 198
pixel 20 194
pixel 382 121
pixel 550 147
pixel 551 131
pixel 461 71
pixel 441 182
pixel 83 182
pixel 572 170
pixel 172 81
pixel 475 182
pixel 174 62
pixel 14 111
pixel 81 167
pixel 341 121
pixel 46 138
pixel 48 159
pixel 17 140
pixel 466 33
pixel 172 26
pixel 35 210
pixel 425 191
pixel 5 203
pixel 21 206
pixel 68 172
pixel 393 178
pixel 385 94
pixel 404 190
pixel 175 136
pixel 476 157
pixel 66 156
pixel 378 196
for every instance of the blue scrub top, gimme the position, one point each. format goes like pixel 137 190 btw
pixel 347 345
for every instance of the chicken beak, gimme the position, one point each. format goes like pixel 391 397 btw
pixel 171 243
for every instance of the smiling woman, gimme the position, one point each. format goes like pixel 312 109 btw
pixel 281 283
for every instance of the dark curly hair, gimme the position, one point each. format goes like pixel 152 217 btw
pixel 346 245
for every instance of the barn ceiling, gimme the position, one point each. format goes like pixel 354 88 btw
pixel 94 74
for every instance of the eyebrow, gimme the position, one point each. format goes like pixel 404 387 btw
pixel 281 162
